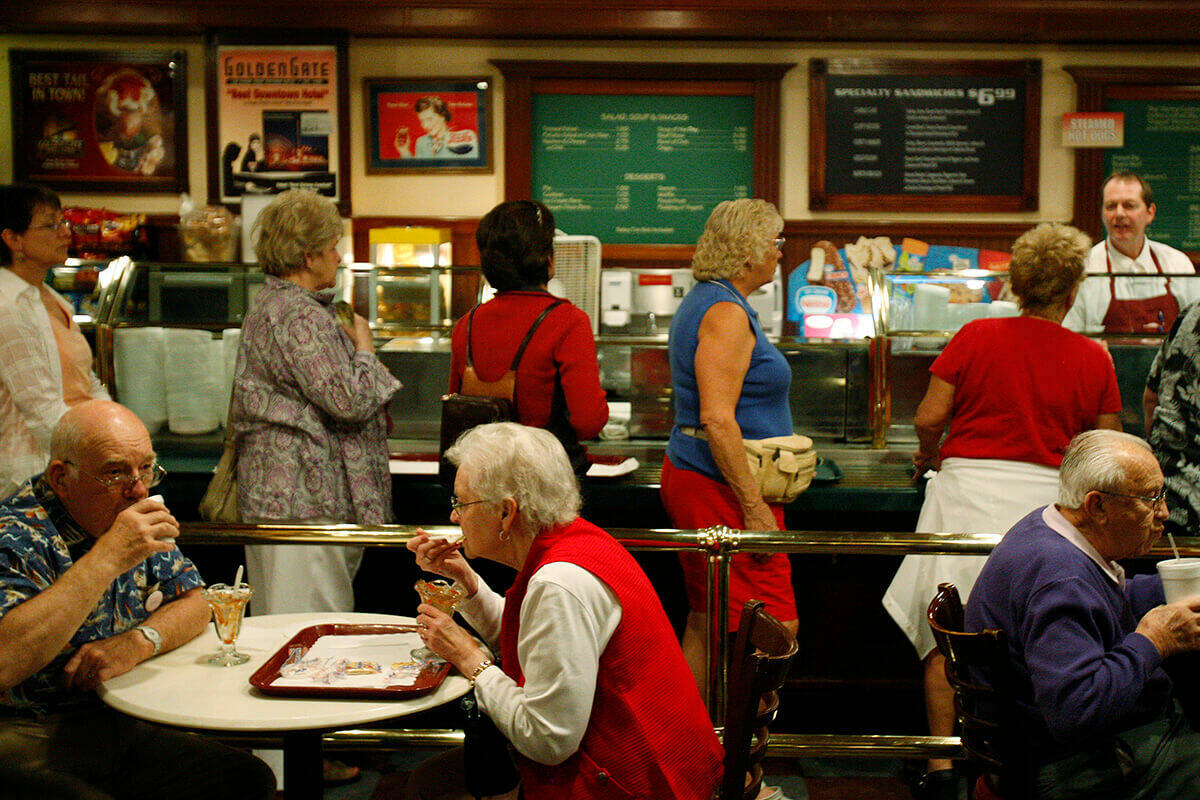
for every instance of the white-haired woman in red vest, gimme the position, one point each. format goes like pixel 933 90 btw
pixel 592 690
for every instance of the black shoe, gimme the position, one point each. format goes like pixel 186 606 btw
pixel 939 785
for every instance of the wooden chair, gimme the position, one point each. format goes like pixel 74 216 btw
pixel 987 716
pixel 762 653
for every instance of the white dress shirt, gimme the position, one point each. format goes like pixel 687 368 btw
pixel 1091 305
pixel 31 388
pixel 567 618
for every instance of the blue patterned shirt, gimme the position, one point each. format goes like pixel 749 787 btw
pixel 38 543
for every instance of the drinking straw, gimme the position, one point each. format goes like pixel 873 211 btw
pixel 237 581
pixel 1171 539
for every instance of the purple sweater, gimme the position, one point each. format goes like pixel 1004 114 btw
pixel 1081 673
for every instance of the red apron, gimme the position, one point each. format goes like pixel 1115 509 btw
pixel 1139 316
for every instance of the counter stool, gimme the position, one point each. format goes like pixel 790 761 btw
pixel 762 653
pixel 987 716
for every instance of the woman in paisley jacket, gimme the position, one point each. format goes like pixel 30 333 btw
pixel 308 411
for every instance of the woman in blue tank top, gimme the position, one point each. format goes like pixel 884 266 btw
pixel 730 383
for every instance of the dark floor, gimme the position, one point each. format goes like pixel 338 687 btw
pixel 800 779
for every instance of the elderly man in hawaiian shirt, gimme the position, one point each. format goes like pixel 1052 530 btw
pixel 91 584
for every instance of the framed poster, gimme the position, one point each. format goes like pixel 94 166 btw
pixel 100 121
pixel 277 111
pixel 915 135
pixel 428 125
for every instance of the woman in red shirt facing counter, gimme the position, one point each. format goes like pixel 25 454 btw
pixel 1013 392
pixel 556 385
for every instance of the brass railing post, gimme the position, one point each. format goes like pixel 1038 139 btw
pixel 720 542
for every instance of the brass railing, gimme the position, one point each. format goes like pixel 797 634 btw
pixel 719 544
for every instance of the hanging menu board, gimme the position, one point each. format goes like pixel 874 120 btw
pixel 638 153
pixel 924 135
pixel 1162 144
pixel 640 168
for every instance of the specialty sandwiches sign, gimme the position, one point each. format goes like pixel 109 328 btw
pixel 924 135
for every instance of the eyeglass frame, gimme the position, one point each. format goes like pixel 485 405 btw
pixel 1153 500
pixel 456 504
pixel 61 224
pixel 779 242
pixel 157 474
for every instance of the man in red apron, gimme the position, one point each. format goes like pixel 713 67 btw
pixel 1131 304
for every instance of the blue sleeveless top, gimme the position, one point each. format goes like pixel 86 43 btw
pixel 762 410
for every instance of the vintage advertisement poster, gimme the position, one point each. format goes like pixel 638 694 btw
pixel 104 121
pixel 428 125
pixel 278 121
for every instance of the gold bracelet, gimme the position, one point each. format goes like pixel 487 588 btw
pixel 487 662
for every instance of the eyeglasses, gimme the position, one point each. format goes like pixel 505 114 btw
pixel 456 504
pixel 54 227
pixel 779 243
pixel 1151 500
pixel 150 476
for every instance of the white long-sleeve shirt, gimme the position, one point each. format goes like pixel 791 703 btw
pixel 1091 304
pixel 31 386
pixel 567 618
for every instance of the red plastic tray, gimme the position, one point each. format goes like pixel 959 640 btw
pixel 429 678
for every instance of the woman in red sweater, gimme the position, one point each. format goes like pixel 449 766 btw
pixel 556 385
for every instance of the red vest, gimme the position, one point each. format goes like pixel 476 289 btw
pixel 649 735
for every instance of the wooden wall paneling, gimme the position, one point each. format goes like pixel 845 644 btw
pixel 1062 21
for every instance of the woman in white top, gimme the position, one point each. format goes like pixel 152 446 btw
pixel 45 363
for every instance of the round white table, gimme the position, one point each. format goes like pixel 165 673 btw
pixel 180 688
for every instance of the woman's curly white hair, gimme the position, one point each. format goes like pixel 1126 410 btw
pixel 737 233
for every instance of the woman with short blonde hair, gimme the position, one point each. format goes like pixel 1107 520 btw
pixel 308 412
pixel 730 382
pixel 295 224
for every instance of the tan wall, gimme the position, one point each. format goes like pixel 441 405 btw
pixel 472 195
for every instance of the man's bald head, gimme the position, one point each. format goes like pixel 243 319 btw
pixel 89 424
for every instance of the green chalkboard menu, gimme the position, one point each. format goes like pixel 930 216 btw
pixel 638 153
pixel 640 168
pixel 924 135
pixel 1162 144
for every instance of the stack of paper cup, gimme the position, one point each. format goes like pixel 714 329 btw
pixel 193 364
pixel 931 307
pixel 230 337
pixel 141 379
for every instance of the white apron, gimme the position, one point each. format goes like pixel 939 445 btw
pixel 968 495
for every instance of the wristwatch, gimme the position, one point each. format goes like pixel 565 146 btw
pixel 153 636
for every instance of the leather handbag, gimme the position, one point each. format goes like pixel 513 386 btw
pixel 481 402
pixel 487 758
pixel 219 503
pixel 782 466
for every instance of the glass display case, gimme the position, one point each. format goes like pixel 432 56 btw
pixel 410 286
pixel 917 313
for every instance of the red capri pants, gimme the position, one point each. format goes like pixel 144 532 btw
pixel 696 501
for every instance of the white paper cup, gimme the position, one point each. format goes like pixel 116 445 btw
pixel 1180 578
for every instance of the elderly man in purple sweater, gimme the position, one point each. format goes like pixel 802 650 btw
pixel 1088 643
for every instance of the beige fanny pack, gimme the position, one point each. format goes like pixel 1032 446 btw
pixel 782 466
